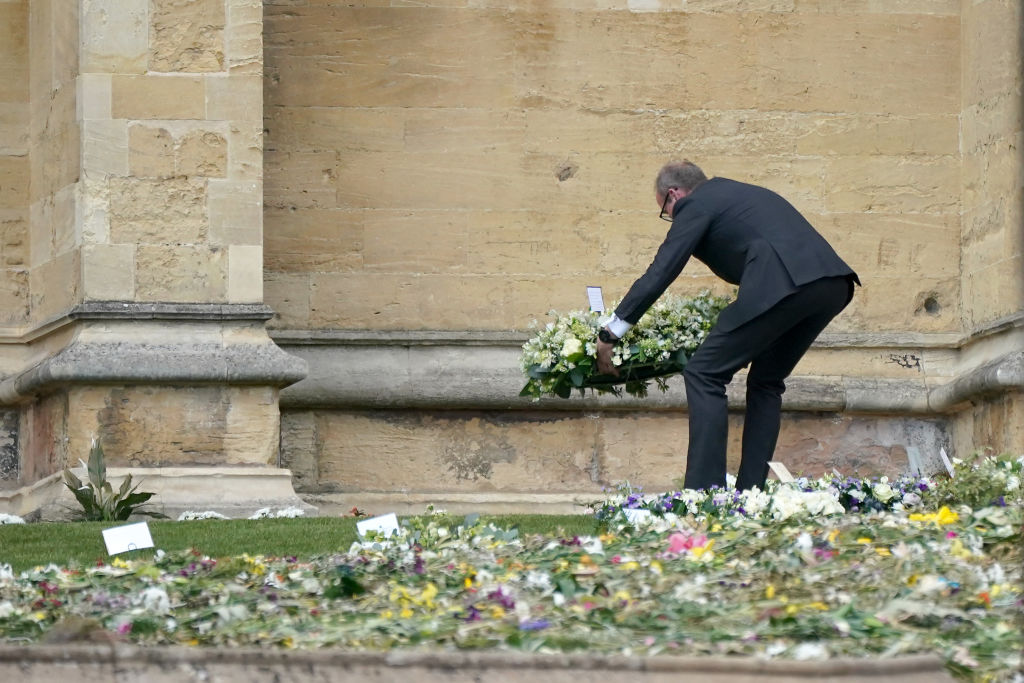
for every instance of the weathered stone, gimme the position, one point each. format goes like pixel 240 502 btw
pixel 202 153
pixel 180 273
pixel 312 240
pixel 157 211
pixel 106 147
pixel 236 97
pixel 150 151
pixel 14 179
pixel 186 35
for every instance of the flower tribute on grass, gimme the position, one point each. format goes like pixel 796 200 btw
pixel 563 354
pixel 870 583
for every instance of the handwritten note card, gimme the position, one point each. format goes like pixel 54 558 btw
pixel 596 299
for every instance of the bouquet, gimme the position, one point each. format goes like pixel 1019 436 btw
pixel 563 355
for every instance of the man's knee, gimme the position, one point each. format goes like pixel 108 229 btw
pixel 758 384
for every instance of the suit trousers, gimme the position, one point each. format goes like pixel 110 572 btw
pixel 772 344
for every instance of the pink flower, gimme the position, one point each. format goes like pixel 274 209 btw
pixel 678 542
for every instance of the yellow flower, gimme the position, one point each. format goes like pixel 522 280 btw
pixel 622 595
pixel 405 613
pixel 791 609
pixel 387 614
pixel 943 516
pixel 119 563
pixel 630 566
pixel 769 591
pixel 656 567
pixel 497 612
pixel 832 536
pixel 699 551
pixel 817 604
pixel 884 552
pixel 863 539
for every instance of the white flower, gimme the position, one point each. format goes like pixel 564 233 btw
pixel 883 492
pixel 155 600
pixel 805 651
pixel 10 519
pixel 189 516
pixel 571 346
pixel 6 609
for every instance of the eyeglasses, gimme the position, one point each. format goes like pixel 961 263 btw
pixel 664 216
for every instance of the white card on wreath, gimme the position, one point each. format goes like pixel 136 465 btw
pixel 596 299
pixel 781 471
pixel 384 525
pixel 121 539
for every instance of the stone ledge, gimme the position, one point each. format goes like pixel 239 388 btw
pixel 481 377
pixel 127 663
pixel 232 491
pixel 159 360
pixel 415 503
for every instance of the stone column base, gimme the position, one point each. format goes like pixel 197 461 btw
pixel 235 492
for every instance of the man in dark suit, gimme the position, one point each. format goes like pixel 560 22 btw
pixel 791 285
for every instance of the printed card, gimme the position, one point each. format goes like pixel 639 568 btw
pixel 121 539
pixel 384 525
pixel 781 471
pixel 596 299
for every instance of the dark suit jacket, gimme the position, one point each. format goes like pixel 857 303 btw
pixel 748 236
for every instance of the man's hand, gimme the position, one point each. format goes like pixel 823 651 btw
pixel 604 359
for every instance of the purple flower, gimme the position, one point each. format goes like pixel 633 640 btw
pixel 534 625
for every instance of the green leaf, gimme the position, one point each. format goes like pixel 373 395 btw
pixel 576 376
pixel 97 468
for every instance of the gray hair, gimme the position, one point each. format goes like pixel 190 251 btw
pixel 685 175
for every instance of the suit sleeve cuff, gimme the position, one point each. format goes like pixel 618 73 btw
pixel 618 327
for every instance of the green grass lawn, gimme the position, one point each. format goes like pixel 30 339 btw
pixel 24 546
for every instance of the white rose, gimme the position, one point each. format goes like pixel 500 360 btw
pixel 571 346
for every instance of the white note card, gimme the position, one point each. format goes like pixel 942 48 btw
pixel 121 539
pixel 637 516
pixel 781 471
pixel 596 299
pixel 384 525
pixel 946 462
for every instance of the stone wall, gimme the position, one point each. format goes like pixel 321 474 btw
pixel 14 162
pixel 439 175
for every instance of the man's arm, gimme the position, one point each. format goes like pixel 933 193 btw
pixel 686 232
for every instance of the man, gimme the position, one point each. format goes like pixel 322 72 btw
pixel 791 285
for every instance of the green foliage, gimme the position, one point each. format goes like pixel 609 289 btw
pixel 981 480
pixel 99 501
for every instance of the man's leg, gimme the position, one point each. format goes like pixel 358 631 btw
pixel 819 302
pixel 722 354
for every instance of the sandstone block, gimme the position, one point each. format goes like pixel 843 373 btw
pixel 182 273
pixel 245 151
pixel 14 182
pixel 301 179
pixel 94 96
pixel 994 292
pixel 108 272
pixel 992 53
pixel 892 185
pixel 114 36
pixel 54 285
pixel 150 151
pixel 202 153
pixel 312 240
pixel 334 128
pixel 418 452
pixel 158 97
pixel 186 35
pixel 299 449
pixel 235 211
pixel 105 146
pixel 427 242
pixel 237 97
pixel 289 296
pixel 144 426
pixel 14 296
pixel 13 238
pixel 245 274
pixel 14 129
pixel 157 211
pixel 243 36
